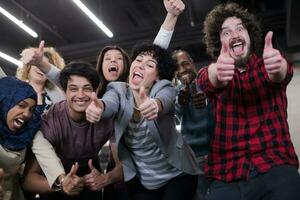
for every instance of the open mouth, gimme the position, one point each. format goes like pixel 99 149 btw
pixel 137 77
pixel 237 46
pixel 18 123
pixel 113 69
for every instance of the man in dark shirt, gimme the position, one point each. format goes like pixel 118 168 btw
pixel 252 156
pixel 76 140
pixel 195 115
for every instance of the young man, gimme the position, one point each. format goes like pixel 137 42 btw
pixel 252 156
pixel 197 120
pixel 77 141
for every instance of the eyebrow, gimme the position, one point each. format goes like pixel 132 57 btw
pixel 225 27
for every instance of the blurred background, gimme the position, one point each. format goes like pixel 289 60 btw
pixel 63 25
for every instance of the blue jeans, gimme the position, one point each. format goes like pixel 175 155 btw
pixel 280 183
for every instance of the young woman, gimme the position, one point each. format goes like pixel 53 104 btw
pixel 48 93
pixel 157 163
pixel 19 121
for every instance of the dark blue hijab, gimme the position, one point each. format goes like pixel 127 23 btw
pixel 12 91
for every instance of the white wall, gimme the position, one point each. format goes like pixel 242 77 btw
pixel 293 93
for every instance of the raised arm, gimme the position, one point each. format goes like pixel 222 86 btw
pixel 174 8
pixel 35 56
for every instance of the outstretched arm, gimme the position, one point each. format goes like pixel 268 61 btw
pixel 174 8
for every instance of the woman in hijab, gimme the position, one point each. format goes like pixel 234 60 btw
pixel 19 121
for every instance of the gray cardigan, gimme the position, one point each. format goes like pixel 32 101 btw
pixel 119 103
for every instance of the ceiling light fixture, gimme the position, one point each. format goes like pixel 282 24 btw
pixel 11 59
pixel 93 18
pixel 18 22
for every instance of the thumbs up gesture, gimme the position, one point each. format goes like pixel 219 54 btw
pixel 73 184
pixel 224 69
pixel 95 180
pixel 274 62
pixel 94 110
pixel 149 107
pixel 33 56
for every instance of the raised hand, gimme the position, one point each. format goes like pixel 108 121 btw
pixel 224 67
pixel 95 180
pixel 272 57
pixel 184 95
pixel 174 7
pixel 73 184
pixel 149 107
pixel 94 110
pixel 33 56
pixel 199 100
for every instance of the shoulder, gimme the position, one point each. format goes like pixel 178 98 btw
pixel 162 85
pixel 55 111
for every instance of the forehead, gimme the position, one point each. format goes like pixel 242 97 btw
pixel 231 22
pixel 29 101
pixel 182 57
pixel 112 52
pixel 78 81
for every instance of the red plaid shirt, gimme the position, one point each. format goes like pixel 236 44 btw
pixel 251 123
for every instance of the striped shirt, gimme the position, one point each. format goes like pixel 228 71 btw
pixel 152 166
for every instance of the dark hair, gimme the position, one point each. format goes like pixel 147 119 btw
pixel 213 25
pixel 166 66
pixel 178 51
pixel 79 68
pixel 99 68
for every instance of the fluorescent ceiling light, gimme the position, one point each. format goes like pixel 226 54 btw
pixel 18 22
pixel 93 18
pixel 11 59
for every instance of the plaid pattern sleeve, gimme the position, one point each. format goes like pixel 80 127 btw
pixel 251 124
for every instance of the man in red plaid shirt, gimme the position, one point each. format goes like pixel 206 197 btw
pixel 252 156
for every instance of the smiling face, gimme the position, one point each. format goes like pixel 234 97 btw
pixel 186 72
pixel 234 36
pixel 78 95
pixel 143 71
pixel 113 65
pixel 18 115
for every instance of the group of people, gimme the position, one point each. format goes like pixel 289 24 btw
pixel 234 141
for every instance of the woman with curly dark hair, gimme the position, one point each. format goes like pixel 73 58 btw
pixel 157 163
pixel 251 155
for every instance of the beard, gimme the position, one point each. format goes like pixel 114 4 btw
pixel 241 62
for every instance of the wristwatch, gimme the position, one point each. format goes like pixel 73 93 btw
pixel 58 184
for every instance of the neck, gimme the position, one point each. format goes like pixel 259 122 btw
pixel 76 116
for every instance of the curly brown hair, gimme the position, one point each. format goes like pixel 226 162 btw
pixel 213 26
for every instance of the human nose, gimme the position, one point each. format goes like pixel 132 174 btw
pixel 27 113
pixel 80 93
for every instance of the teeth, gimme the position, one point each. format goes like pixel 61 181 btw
pixel 20 120
pixel 138 74
pixel 237 44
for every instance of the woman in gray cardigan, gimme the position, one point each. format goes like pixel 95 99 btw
pixel 157 163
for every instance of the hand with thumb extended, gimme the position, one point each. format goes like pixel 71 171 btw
pixel 95 109
pixel 95 180
pixel 272 57
pixel 149 107
pixel 224 66
pixel 33 56
pixel 73 184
